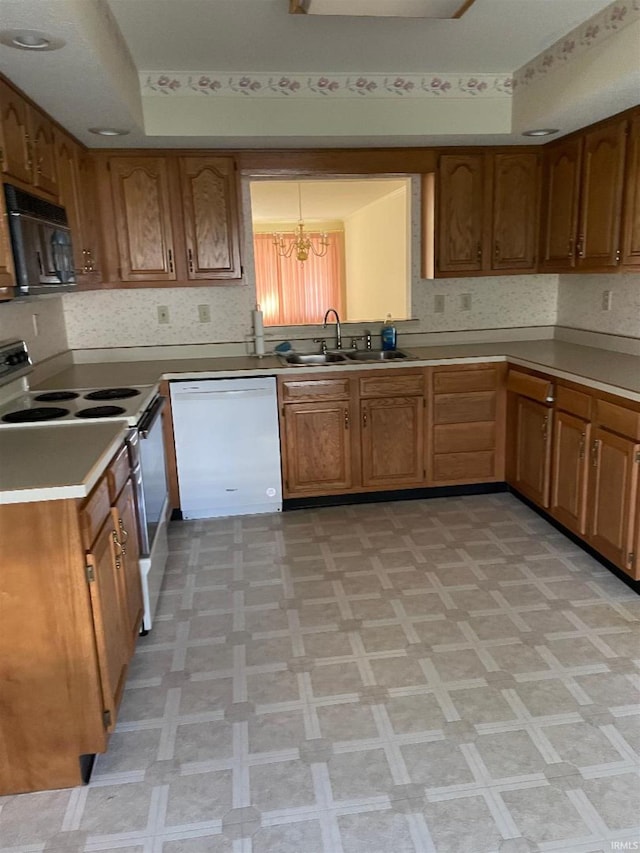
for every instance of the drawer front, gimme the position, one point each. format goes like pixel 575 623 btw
pixel 456 381
pixel 402 385
pixel 93 512
pixel 618 419
pixel 464 466
pixel 118 473
pixel 530 386
pixel 460 438
pixel 573 402
pixel 300 390
pixel 464 408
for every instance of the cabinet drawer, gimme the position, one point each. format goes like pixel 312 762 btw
pixel 464 466
pixel 402 385
pixel 533 387
pixel 452 381
pixel 93 513
pixel 460 438
pixel 117 474
pixel 299 390
pixel 464 408
pixel 573 402
pixel 618 419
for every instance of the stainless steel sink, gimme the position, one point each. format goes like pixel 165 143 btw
pixel 299 359
pixel 376 354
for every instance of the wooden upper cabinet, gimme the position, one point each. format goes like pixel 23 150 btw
pixel 67 155
pixel 631 203
pixel 16 160
pixel 601 198
pixel 516 181
pixel 561 182
pixel 7 276
pixel 142 214
pixel 41 137
pixel 209 198
pixel 460 208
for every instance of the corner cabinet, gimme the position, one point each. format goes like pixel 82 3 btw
pixel 69 626
pixel 176 219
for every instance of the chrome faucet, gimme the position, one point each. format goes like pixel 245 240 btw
pixel 338 330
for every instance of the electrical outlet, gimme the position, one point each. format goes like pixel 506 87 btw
pixel 606 300
pixel 465 302
pixel 438 303
pixel 204 313
pixel 163 314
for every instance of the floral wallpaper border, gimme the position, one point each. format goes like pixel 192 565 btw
pixel 270 85
pixel 601 26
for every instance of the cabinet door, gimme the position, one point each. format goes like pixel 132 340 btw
pixel 460 225
pixel 142 215
pixel 16 161
pixel 392 443
pixel 515 211
pixel 91 261
pixel 45 176
pixel 106 605
pixel 569 472
pixel 318 447
pixel 209 198
pixel 7 277
pixel 532 450
pixel 601 199
pixel 561 183
pixel 631 218
pixel 123 515
pixel 613 491
pixel 67 153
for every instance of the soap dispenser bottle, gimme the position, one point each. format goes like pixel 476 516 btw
pixel 388 334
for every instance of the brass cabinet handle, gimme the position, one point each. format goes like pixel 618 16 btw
pixel 118 544
pixel 545 427
pixel 364 419
pixel 581 246
pixel 583 437
pixel 170 260
pixel 570 254
pixel 479 252
pixel 595 447
pixel 29 150
pixel 496 251
pixel 190 257
pixel 346 419
pixel 124 535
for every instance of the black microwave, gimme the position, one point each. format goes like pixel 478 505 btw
pixel 41 243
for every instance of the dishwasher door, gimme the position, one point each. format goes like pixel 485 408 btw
pixel 227 446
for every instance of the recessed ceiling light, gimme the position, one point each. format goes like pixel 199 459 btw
pixel 30 40
pixel 108 131
pixel 541 131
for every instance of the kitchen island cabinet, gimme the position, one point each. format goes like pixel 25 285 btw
pixel 67 600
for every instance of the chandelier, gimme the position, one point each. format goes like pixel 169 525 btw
pixel 300 243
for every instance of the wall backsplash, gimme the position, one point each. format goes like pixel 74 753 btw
pixel 17 322
pixel 580 303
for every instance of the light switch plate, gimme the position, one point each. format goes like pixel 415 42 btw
pixel 163 314
pixel 438 303
pixel 465 302
pixel 204 313
pixel 606 300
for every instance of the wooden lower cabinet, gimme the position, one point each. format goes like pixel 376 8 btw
pixel 571 443
pixel 318 447
pixel 392 429
pixel 69 604
pixel 532 450
pixel 613 498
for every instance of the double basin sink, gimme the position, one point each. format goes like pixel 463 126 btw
pixel 298 359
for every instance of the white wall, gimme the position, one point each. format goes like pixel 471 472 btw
pixel 376 260
pixel 580 303
pixel 46 335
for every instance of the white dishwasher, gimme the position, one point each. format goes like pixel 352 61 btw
pixel 227 446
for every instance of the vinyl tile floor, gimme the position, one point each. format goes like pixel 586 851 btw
pixel 442 676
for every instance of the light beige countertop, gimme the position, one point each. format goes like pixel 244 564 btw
pixel 617 373
pixel 46 463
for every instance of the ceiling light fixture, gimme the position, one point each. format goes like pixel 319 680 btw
pixel 30 40
pixel 301 243
pixel 108 131
pixel 541 131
